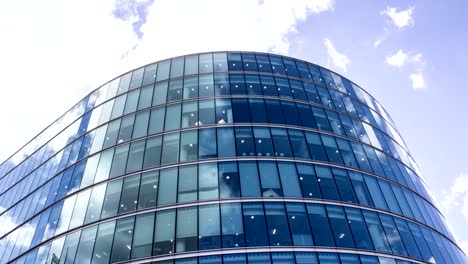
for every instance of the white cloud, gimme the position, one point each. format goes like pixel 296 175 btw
pixel 60 50
pixel 402 18
pixel 398 59
pixel 417 81
pixel 381 38
pixel 457 196
pixel 338 59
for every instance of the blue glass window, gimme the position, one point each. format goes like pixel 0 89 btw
pixel 281 142
pixel 268 86
pixel 152 152
pixel 220 62
pixel 186 230
pixel 407 238
pixel 150 73
pixel 289 110
pixel 232 227
pixel 164 232
pixel 205 63
pixel 299 224
pixel 191 65
pixel 393 235
pixel 283 87
pixel 240 110
pixel 143 236
pixel 249 180
pixel 228 180
pixel 188 183
pixel 254 225
pixel 339 224
pixel 205 142
pixel 298 144
pixel 321 118
pixel 278 230
pixel 344 185
pixel 289 179
pixel 327 183
pixel 359 229
pixel 209 229
pixel 320 226
pixel 315 146
pixel 223 111
pixel 244 141
pixel 249 62
pixel 263 143
pixel 271 186
pixel 290 67
pixel 360 188
pixel 376 231
pixel 375 192
pixel 258 111
pixel 346 152
pixel 226 142
pixel 205 85
pixel 234 61
pixel 253 85
pixel 122 238
pixel 221 83
pixel 263 63
pixel 308 180
pixel 274 111
pixel 277 64
pixel 175 90
pixel 331 149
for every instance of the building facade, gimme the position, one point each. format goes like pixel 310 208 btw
pixel 225 157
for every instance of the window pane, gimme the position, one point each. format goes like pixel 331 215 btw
pixel 152 152
pixel 342 235
pixel 315 146
pixel 150 73
pixel 206 147
pixel 205 85
pixel 156 123
pixel 344 185
pixel 376 231
pixel 271 186
pixel 299 225
pixel 393 235
pixel 191 64
pixel 359 229
pixel 135 157
pixel 188 185
pixel 263 142
pixel 281 142
pixel 208 181
pixel 148 189
pixel 250 185
pixel 160 93
pixel 233 230
pixel 254 225
pixel 103 244
pixel 327 183
pixel 186 229
pixel 167 186
pixel 175 90
pixel 170 150
pixel 120 159
pixel 375 192
pixel 140 127
pixel 95 203
pixel 163 70
pixel 320 226
pixel 189 145
pixel 172 117
pixel 240 111
pixel 274 111
pixel 244 141
pixel 190 87
pixel 360 189
pixel 122 239
pixel 298 144
pixel 143 236
pixel 177 67
pixel 331 148
pixel 129 198
pixel 164 232
pixel 228 180
pixel 220 62
pixel 85 248
pixel 145 97
pixel 226 142
pixel 209 227
pixel 223 111
pixel 112 198
pixel 205 63
pixel 308 180
pixel 289 179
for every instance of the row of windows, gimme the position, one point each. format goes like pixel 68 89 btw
pixel 226 111
pixel 192 145
pixel 248 224
pixel 209 181
pixel 191 87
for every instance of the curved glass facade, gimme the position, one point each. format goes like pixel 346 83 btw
pixel 222 157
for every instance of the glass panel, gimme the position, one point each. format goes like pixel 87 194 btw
pixel 271 186
pixel 95 203
pixel 191 64
pixel 359 229
pixel 167 186
pixel 331 149
pixel 298 144
pixel 190 114
pixel 375 192
pixel 393 236
pixel 112 198
pixel 150 73
pixel 190 87
pixel 376 231
pixel 143 236
pixel 145 97
pixel 186 229
pixel 152 152
pixel 69 248
pixel 263 143
pixel 220 62
pixel 281 142
pixel 148 189
pixel 189 145
pixel 132 102
pixel 233 230
pixel 172 117
pixel 344 185
pixel 156 123
pixel 308 180
pixel 205 63
pixel 299 225
pixel 320 226
pixel 360 189
pixel 208 181
pixel 342 235
pixel 160 93
pixel 226 142
pixel 206 86
pixel 103 243
pixel 306 258
pixel 164 232
pixel 223 111
pixel 206 147
pixel 170 150
pixel 188 186
pixel 163 70
pixel 244 141
pixel 122 239
pixel 327 183
pixel 140 127
pixel 254 225
pixel 119 161
pixel 85 248
pixel 174 92
pixel 129 198
pixel 250 185
pixel 177 67
pixel 135 157
pixel 228 180
pixel 315 146
pixel 209 227
pixel 274 111
pixel 289 179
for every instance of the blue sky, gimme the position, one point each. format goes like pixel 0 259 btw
pixel 411 55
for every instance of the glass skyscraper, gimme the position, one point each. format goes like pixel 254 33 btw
pixel 225 157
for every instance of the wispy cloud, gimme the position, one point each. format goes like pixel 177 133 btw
pixel 338 59
pixel 85 43
pixel 457 195
pixel 400 58
pixel 402 18
pixel 381 38
pixel 417 80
